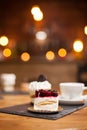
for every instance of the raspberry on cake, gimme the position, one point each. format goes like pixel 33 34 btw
pixel 46 100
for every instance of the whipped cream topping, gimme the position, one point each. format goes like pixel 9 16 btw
pixel 35 85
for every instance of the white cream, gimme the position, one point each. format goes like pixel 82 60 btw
pixel 35 85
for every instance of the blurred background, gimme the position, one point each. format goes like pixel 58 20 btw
pixel 44 37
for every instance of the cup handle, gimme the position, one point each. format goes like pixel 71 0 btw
pixel 85 88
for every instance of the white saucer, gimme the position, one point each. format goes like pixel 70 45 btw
pixel 75 101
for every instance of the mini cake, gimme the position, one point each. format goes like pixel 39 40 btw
pixel 46 100
pixel 41 83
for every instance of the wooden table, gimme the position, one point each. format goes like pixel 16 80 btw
pixel 74 121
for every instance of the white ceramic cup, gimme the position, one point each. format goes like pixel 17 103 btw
pixel 71 90
pixel 8 81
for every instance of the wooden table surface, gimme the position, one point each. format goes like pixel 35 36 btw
pixel 74 121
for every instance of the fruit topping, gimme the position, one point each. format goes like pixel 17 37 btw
pixel 41 78
pixel 45 93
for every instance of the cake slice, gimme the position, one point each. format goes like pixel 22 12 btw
pixel 41 83
pixel 46 100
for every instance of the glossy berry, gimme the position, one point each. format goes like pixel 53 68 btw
pixel 46 93
pixel 55 94
pixel 41 78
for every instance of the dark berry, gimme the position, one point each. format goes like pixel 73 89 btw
pixel 46 93
pixel 41 78
pixel 54 93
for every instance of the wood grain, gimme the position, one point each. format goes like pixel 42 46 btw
pixel 74 121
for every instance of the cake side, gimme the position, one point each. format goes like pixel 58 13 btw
pixel 46 100
pixel 46 103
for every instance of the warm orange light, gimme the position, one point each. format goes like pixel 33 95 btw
pixel 25 56
pixel 35 9
pixel 7 52
pixel 3 41
pixel 38 16
pixel 37 13
pixel 85 30
pixel 78 46
pixel 62 52
pixel 50 55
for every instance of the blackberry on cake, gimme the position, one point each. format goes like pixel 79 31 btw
pixel 41 78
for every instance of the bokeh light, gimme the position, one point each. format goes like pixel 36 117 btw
pixel 7 52
pixel 41 35
pixel 38 16
pixel 37 13
pixel 78 46
pixel 85 30
pixel 25 56
pixel 62 52
pixel 35 9
pixel 3 41
pixel 50 55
